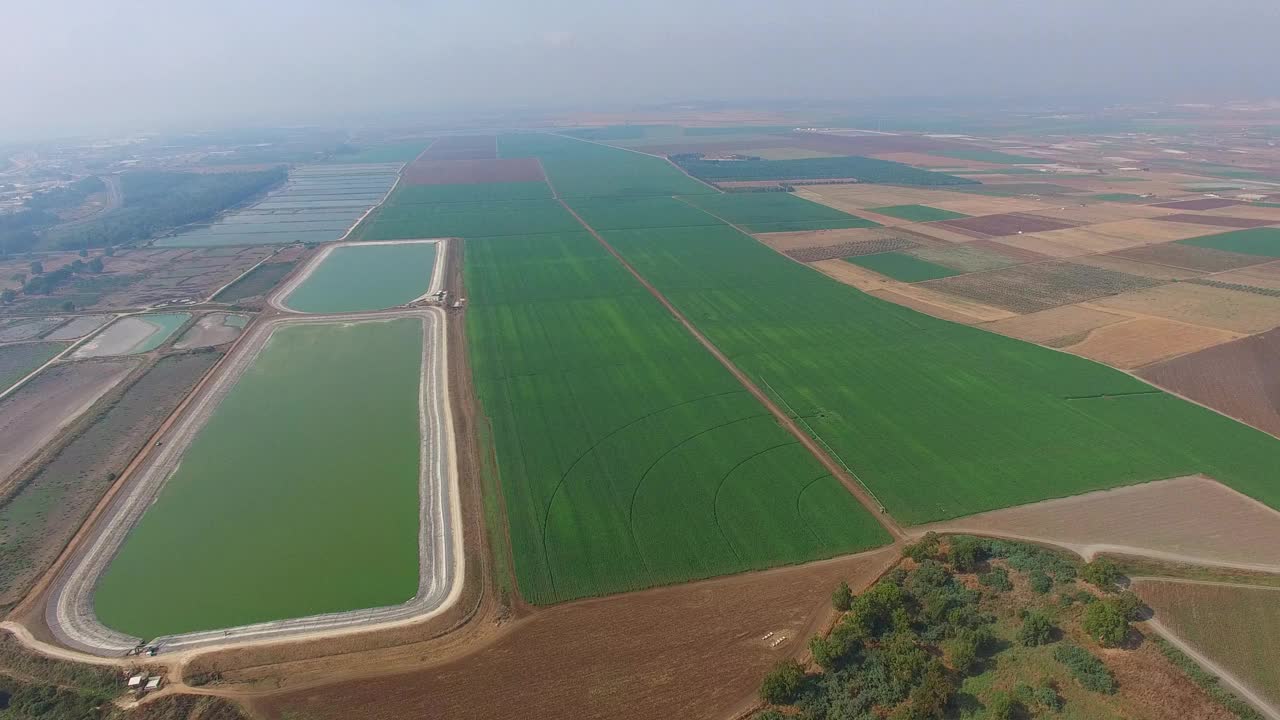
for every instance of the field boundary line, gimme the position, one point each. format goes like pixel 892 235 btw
pixel 886 521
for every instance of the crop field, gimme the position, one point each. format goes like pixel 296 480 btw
pixel 359 278
pixel 902 267
pixel 462 147
pixel 132 335
pixel 1007 423
pixel 852 248
pixel 324 486
pixel 862 169
pixel 1237 627
pixel 470 192
pixel 473 172
pixel 1217 220
pixel 629 456
pixel 37 519
pixel 258 281
pixel 1222 308
pixel 18 361
pixel 406 221
pixel 1191 257
pixel 917 213
pixel 581 169
pixel 1199 204
pixel 965 258
pixel 1260 241
pixel 774 212
pixel 623 213
pixel 1040 286
pixel 318 203
pixel 1008 224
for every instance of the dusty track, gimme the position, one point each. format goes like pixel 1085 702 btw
pixel 69 611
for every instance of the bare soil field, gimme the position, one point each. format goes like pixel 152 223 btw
pixel 1006 224
pixel 78 327
pixel 1189 519
pixel 1039 286
pixel 1056 327
pixel 40 515
pixel 1270 214
pixel 965 257
pixel 1143 341
pixel 991 205
pixel 1190 257
pixel 469 172
pixel 1101 212
pixel 947 307
pixel 1238 378
pixel 211 330
pixel 871 144
pixel 1200 204
pixel 850 274
pixel 176 274
pixel 1238 312
pixel 941 233
pixel 700 648
pixel 33 415
pixel 1072 242
pixel 462 147
pixel 1135 267
pixel 1217 220
pixel 857 196
pixel 1021 255
pixel 1261 276
pixel 936 161
pixel 1236 626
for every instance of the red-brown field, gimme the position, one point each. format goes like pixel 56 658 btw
pixel 1198 204
pixel 1007 224
pixel 463 147
pixel 690 651
pixel 1190 257
pixel 1238 378
pixel 1216 220
pixel 457 172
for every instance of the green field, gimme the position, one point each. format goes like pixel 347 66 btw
pixel 639 212
pixel 403 221
pixel 358 278
pixel 863 169
pixel 903 267
pixel 471 192
pixel 258 281
pixel 917 213
pixel 1263 241
pixel 582 169
pixel 990 156
pixel 939 419
pixel 1117 197
pixel 628 456
pixel 775 212
pixel 310 507
pixel 18 361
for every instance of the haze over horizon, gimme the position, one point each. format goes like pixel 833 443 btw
pixel 90 68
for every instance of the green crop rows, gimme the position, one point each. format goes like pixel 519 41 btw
pixel 918 213
pixel 903 267
pixel 775 212
pixel 1263 241
pixel 629 457
pixel 863 169
pixel 309 508
pixel 939 419
pixel 577 168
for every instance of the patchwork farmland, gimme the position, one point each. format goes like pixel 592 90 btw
pixel 656 384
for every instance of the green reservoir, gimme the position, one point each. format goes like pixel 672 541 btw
pixel 299 495
pixel 358 278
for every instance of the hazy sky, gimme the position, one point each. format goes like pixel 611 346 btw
pixel 87 66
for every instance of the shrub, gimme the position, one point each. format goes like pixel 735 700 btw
pixel 996 579
pixel 1130 605
pixel 930 698
pixel 782 683
pixel 842 597
pixel 1002 706
pixel 1085 668
pixel 1102 574
pixel 1048 698
pixel 962 650
pixel 1036 630
pixel 1106 622
pixel 967 552
pixel 1040 581
pixel 925 548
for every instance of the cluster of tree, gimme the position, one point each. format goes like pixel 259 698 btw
pixel 38 701
pixel 67 196
pixel 157 201
pixel 18 231
pixel 40 282
pixel 901 648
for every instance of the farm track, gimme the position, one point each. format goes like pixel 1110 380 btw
pixel 783 418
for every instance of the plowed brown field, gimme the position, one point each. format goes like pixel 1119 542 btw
pixel 1216 220
pixel 1143 341
pixel 450 172
pixel 1191 257
pixel 1239 378
pixel 1007 224
pixel 690 651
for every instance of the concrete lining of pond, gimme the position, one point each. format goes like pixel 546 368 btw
pixel 149 575
pixel 365 276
